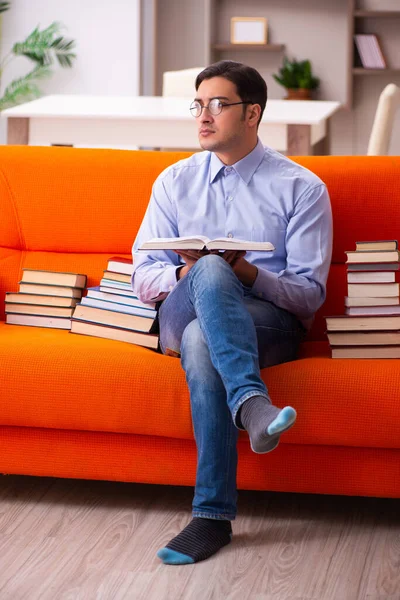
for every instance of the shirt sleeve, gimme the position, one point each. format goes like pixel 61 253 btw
pixel 154 273
pixel 301 287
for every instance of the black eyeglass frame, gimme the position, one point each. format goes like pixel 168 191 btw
pixel 221 106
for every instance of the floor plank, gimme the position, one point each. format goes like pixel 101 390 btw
pixel 63 539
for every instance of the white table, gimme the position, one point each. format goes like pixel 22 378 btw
pixel 291 126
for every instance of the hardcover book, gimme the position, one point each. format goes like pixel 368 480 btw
pixel 118 264
pixel 54 278
pixel 201 242
pixel 102 316
pixel 115 333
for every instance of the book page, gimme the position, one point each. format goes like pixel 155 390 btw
pixel 190 241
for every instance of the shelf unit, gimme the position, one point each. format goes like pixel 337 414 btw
pixel 246 47
pixel 358 17
pixel 372 14
pixel 362 71
pixel 195 34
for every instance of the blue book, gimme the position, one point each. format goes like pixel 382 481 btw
pixel 118 307
pixel 119 296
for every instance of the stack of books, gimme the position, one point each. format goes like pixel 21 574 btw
pixel 45 299
pixel 111 310
pixel 369 51
pixel 370 327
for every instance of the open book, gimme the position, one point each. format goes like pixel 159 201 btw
pixel 200 242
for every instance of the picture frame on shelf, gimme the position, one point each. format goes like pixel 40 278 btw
pixel 249 30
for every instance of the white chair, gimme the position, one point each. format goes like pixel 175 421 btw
pixel 180 83
pixel 382 127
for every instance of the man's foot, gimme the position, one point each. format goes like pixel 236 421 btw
pixel 265 423
pixel 199 540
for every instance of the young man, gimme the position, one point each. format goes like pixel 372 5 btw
pixel 228 314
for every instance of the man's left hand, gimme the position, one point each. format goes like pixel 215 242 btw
pixel 245 271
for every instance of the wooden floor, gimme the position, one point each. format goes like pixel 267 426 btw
pixel 63 539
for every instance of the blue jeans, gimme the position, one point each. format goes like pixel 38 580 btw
pixel 224 335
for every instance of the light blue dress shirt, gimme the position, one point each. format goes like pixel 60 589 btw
pixel 263 197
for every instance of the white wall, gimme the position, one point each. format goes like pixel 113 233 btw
pixel 107 36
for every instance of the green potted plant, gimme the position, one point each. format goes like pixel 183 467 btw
pixel 297 78
pixel 42 47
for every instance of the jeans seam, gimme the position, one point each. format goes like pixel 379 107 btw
pixel 192 283
pixel 216 516
pixel 228 449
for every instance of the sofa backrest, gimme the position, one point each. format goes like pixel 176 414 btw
pixel 70 209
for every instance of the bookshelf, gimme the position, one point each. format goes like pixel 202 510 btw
pixel 248 47
pixel 364 20
pixel 362 71
pixel 368 14
pixel 195 34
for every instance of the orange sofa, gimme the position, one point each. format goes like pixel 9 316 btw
pixel 83 407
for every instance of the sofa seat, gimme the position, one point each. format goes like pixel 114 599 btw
pixel 58 375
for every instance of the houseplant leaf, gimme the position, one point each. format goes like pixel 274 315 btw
pixel 40 46
pixel 24 88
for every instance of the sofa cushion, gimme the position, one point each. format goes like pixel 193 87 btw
pixel 56 379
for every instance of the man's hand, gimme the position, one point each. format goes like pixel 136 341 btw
pixel 190 257
pixel 245 271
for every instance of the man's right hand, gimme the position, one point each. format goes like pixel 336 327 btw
pixel 190 257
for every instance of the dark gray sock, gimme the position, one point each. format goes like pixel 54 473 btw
pixel 264 423
pixel 197 541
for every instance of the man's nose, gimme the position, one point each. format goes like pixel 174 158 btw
pixel 205 116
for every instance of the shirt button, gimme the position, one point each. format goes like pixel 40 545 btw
pixel 171 288
pixel 228 170
pixel 229 198
pixel 230 235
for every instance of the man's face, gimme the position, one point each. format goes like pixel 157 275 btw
pixel 226 131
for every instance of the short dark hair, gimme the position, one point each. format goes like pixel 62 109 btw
pixel 250 86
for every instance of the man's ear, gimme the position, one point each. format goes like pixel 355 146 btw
pixel 254 112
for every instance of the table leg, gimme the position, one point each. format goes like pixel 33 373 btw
pixel 323 147
pixel 17 131
pixel 299 140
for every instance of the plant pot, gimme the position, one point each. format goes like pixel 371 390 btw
pixel 298 94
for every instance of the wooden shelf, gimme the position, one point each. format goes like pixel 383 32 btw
pixel 362 71
pixel 377 13
pixel 252 47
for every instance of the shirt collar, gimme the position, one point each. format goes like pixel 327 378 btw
pixel 245 167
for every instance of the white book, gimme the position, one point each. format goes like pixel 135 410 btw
pixel 122 308
pixel 374 290
pixel 201 242
pixel 112 290
pixel 115 333
pixel 379 59
pixel 366 352
pixel 120 296
pixel 371 277
pixel 373 310
pixel 371 301
pixel 36 321
pixel 117 285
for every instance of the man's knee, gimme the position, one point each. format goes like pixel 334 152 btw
pixel 196 360
pixel 213 271
pixel 192 339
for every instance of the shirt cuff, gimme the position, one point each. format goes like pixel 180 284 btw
pixel 266 285
pixel 169 279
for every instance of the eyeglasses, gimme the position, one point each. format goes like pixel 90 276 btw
pixel 214 107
